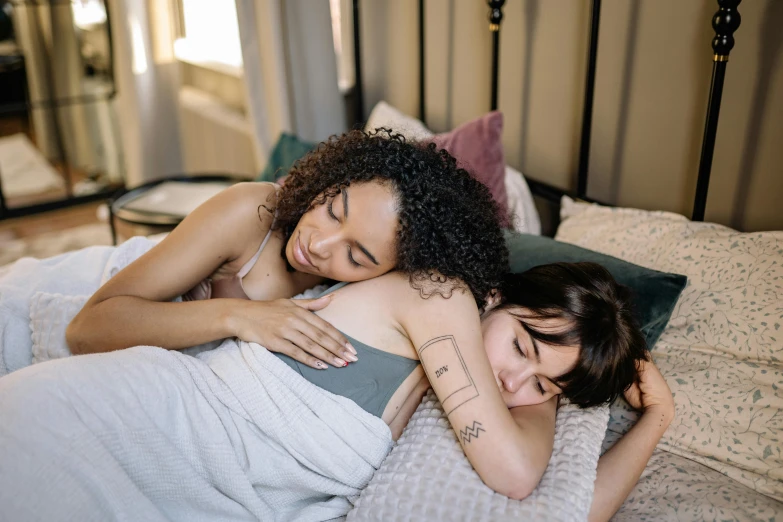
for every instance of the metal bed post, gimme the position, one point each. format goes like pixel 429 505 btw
pixel 357 66
pixel 539 188
pixel 725 22
pixel 587 111
pixel 422 90
pixel 495 17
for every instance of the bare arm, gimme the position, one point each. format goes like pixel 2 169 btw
pixel 132 308
pixel 509 450
pixel 619 468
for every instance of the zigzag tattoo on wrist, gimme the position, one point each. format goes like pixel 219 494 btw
pixel 470 433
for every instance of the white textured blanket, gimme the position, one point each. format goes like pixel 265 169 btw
pixel 203 435
pixel 428 477
pixel 27 284
pixel 150 434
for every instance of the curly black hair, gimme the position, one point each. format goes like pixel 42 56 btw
pixel 449 234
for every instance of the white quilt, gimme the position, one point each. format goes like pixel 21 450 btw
pixel 151 434
pixel 75 275
pixel 201 425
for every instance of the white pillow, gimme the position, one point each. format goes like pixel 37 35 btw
pixel 384 115
pixel 722 349
pixel 521 207
pixel 50 315
pixel 427 476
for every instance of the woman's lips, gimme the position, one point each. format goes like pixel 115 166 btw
pixel 301 255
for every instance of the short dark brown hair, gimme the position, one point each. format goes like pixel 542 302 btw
pixel 603 325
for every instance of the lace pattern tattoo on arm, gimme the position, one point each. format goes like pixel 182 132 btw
pixel 447 372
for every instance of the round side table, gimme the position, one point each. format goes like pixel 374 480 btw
pixel 151 219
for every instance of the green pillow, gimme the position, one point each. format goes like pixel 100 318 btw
pixel 654 293
pixel 286 151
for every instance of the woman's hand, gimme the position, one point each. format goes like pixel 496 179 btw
pixel 289 326
pixel 652 392
pixel 619 468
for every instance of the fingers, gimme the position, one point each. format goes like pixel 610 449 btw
pixel 313 304
pixel 342 347
pixel 313 349
pixel 323 340
pixel 323 333
pixel 309 339
pixel 294 352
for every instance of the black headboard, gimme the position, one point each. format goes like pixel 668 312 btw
pixel 725 22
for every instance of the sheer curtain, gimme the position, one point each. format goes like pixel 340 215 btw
pixel 290 71
pixel 266 82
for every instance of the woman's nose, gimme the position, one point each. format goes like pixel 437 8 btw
pixel 514 379
pixel 321 244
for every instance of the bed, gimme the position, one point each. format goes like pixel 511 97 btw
pixel 721 458
pixel 721 352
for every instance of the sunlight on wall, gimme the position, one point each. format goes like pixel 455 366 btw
pixel 137 47
pixel 211 33
pixel 88 13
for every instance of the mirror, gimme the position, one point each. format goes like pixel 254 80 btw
pixel 59 137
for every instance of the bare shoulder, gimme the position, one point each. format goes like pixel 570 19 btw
pixel 409 297
pixel 246 210
pixel 254 199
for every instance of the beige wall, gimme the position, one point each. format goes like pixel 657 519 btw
pixel 652 84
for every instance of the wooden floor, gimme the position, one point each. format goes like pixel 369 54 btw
pixel 54 221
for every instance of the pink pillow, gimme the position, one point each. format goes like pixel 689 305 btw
pixel 478 147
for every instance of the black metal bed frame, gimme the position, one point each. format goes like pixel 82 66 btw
pixel 725 22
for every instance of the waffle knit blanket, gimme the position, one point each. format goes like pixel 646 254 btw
pixel 427 476
pixel 150 434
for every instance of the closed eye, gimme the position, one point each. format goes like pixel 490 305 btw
pixel 330 210
pixel 537 380
pixel 351 259
pixel 519 348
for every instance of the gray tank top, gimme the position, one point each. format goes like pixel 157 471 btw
pixel 370 382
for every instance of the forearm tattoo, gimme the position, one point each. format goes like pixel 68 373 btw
pixel 447 372
pixel 471 432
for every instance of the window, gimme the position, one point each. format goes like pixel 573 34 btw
pixel 209 35
pixel 342 35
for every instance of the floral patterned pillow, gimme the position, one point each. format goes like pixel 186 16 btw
pixel 722 352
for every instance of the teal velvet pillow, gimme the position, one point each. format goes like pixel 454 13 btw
pixel 654 293
pixel 286 151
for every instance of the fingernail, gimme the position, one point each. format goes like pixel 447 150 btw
pixel 321 365
pixel 340 363
pixel 350 348
pixel 351 357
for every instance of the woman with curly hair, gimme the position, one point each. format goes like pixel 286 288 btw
pixel 359 206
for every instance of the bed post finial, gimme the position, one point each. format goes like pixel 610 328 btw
pixel 495 14
pixel 725 22
pixel 495 17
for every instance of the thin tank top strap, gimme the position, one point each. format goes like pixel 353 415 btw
pixel 250 264
pixel 247 267
pixel 333 288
